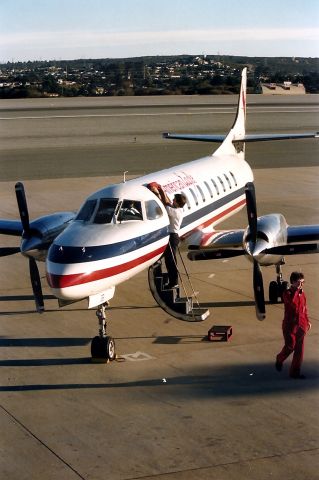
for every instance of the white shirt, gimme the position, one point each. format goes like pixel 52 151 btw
pixel 175 216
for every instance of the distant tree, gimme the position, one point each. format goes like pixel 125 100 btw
pixel 50 85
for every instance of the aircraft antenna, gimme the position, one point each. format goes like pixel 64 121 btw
pixel 124 176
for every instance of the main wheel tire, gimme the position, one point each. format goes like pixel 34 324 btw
pixel 273 292
pixel 103 348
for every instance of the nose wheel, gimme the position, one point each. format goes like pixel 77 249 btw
pixel 102 346
pixel 277 288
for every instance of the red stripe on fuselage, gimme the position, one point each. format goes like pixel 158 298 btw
pixel 216 217
pixel 64 281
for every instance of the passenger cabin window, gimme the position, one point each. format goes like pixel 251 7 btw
pixel 234 178
pixel 153 210
pixel 105 211
pixel 194 196
pixel 86 211
pixel 215 185
pixel 227 180
pixel 209 189
pixel 222 183
pixel 201 193
pixel 130 210
pixel 187 201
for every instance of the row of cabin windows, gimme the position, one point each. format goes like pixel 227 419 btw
pixel 213 186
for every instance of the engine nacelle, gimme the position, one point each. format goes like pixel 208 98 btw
pixel 271 232
pixel 42 232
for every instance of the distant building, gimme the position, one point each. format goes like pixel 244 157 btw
pixel 285 88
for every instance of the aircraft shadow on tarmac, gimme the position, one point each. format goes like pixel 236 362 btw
pixel 231 382
pixel 19 298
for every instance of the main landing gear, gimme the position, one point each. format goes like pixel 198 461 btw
pixel 102 346
pixel 277 288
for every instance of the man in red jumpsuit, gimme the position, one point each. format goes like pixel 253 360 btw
pixel 295 325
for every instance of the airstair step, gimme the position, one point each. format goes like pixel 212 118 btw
pixel 200 313
pixel 169 298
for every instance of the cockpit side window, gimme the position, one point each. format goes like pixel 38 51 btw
pixel 130 210
pixel 105 210
pixel 86 211
pixel 153 210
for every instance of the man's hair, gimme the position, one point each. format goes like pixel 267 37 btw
pixel 295 276
pixel 180 199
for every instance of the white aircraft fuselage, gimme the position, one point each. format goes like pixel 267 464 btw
pixel 93 255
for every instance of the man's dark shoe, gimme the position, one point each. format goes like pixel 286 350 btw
pixel 278 366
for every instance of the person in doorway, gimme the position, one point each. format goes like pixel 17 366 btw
pixel 175 214
pixel 295 325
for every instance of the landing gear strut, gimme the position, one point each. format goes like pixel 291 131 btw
pixel 103 346
pixel 277 288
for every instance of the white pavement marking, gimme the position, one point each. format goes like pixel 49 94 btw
pixel 137 357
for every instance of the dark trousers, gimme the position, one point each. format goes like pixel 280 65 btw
pixel 294 342
pixel 170 258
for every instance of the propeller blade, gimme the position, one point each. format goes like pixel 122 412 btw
pixel 5 251
pixel 293 249
pixel 251 209
pixel 214 254
pixel 36 285
pixel 23 207
pixel 259 292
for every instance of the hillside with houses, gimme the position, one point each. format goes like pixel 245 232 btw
pixel 169 75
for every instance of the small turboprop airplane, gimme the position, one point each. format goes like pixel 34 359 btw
pixel 122 229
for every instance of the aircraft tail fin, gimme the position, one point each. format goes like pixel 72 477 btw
pixel 238 130
pixel 239 126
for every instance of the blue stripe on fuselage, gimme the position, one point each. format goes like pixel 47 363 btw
pixel 71 254
pixel 211 207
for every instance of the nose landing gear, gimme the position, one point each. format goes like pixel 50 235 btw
pixel 277 288
pixel 102 346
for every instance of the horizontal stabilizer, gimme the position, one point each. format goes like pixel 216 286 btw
pixel 263 137
pixel 199 138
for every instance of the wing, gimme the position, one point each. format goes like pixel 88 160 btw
pixel 300 240
pixel 302 233
pixel 11 227
pixel 216 244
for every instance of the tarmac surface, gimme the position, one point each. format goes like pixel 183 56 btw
pixel 175 406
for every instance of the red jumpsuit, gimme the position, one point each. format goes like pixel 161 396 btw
pixel 294 326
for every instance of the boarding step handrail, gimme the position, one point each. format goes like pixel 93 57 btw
pixel 182 308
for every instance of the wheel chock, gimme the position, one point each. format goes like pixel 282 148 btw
pixel 220 333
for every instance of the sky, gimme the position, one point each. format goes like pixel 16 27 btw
pixel 71 29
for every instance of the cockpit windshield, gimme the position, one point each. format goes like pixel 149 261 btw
pixel 130 210
pixel 106 210
pixel 86 211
